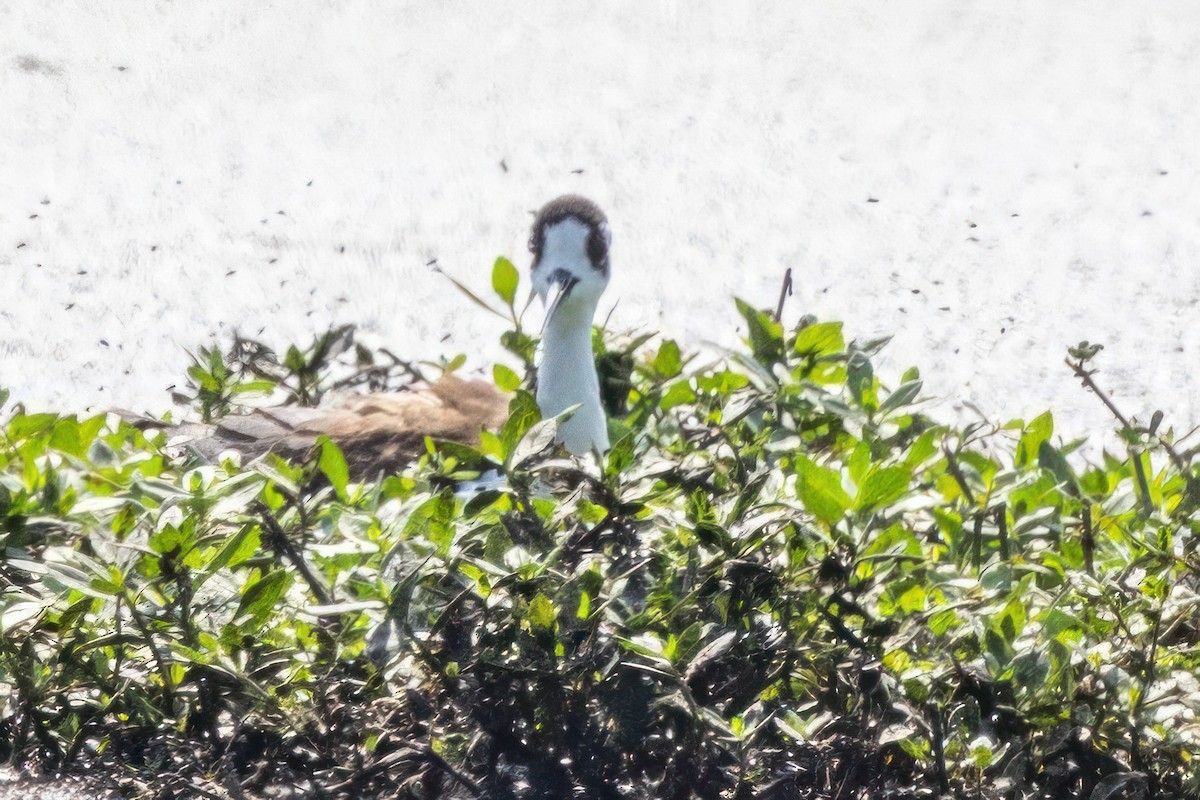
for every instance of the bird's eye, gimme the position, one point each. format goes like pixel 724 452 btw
pixel 597 244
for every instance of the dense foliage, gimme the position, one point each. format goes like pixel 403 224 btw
pixel 782 582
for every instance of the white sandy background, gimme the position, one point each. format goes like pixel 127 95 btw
pixel 172 171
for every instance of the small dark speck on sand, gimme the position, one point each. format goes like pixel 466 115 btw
pixel 69 306
pixel 1147 213
pixel 19 246
pixel 308 184
pixel 1162 172
pixel 577 171
pixel 33 216
pixel 915 291
pixel 81 272
pixel 281 213
pixel 122 68
pixel 503 165
pixel 872 199
pixel 104 342
pixel 45 201
pixel 153 247
pixel 231 272
pixel 272 260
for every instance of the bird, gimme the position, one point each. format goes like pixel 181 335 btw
pixel 570 244
pixel 383 432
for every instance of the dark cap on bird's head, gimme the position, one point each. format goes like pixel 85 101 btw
pixel 573 206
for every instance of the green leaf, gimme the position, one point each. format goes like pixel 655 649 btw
pixel 860 378
pixel 523 414
pixel 912 600
pixel 540 436
pixel 506 379
pixel 668 361
pixel 434 521
pixel 237 549
pixel 26 425
pixel 65 437
pixel 1037 431
pixel 883 486
pixel 542 614
pixel 820 489
pixel 260 597
pixel 1009 623
pixel 903 396
pixel 677 394
pixel 820 339
pixel 766 335
pixel 923 448
pixel 1051 458
pixel 333 465
pixel 504 279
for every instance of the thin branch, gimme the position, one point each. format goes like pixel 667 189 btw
pixel 934 715
pixel 1089 540
pixel 1182 464
pixel 1085 377
pixel 960 479
pixel 1001 519
pixel 977 541
pixel 785 292
pixel 1143 484
pixel 284 547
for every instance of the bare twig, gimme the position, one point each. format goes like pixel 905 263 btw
pixel 1085 377
pixel 977 541
pixel 785 292
pixel 934 714
pixel 959 478
pixel 1181 463
pixel 1089 540
pixel 1001 518
pixel 1143 484
pixel 284 547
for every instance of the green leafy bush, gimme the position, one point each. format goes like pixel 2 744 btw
pixel 784 580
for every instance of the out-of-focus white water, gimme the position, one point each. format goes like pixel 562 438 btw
pixel 988 183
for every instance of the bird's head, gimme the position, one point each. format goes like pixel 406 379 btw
pixel 569 242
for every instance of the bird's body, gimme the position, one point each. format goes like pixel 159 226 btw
pixel 377 433
pixel 380 433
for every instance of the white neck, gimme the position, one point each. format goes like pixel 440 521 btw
pixel 567 377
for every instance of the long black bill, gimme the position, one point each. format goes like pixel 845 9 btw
pixel 561 284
